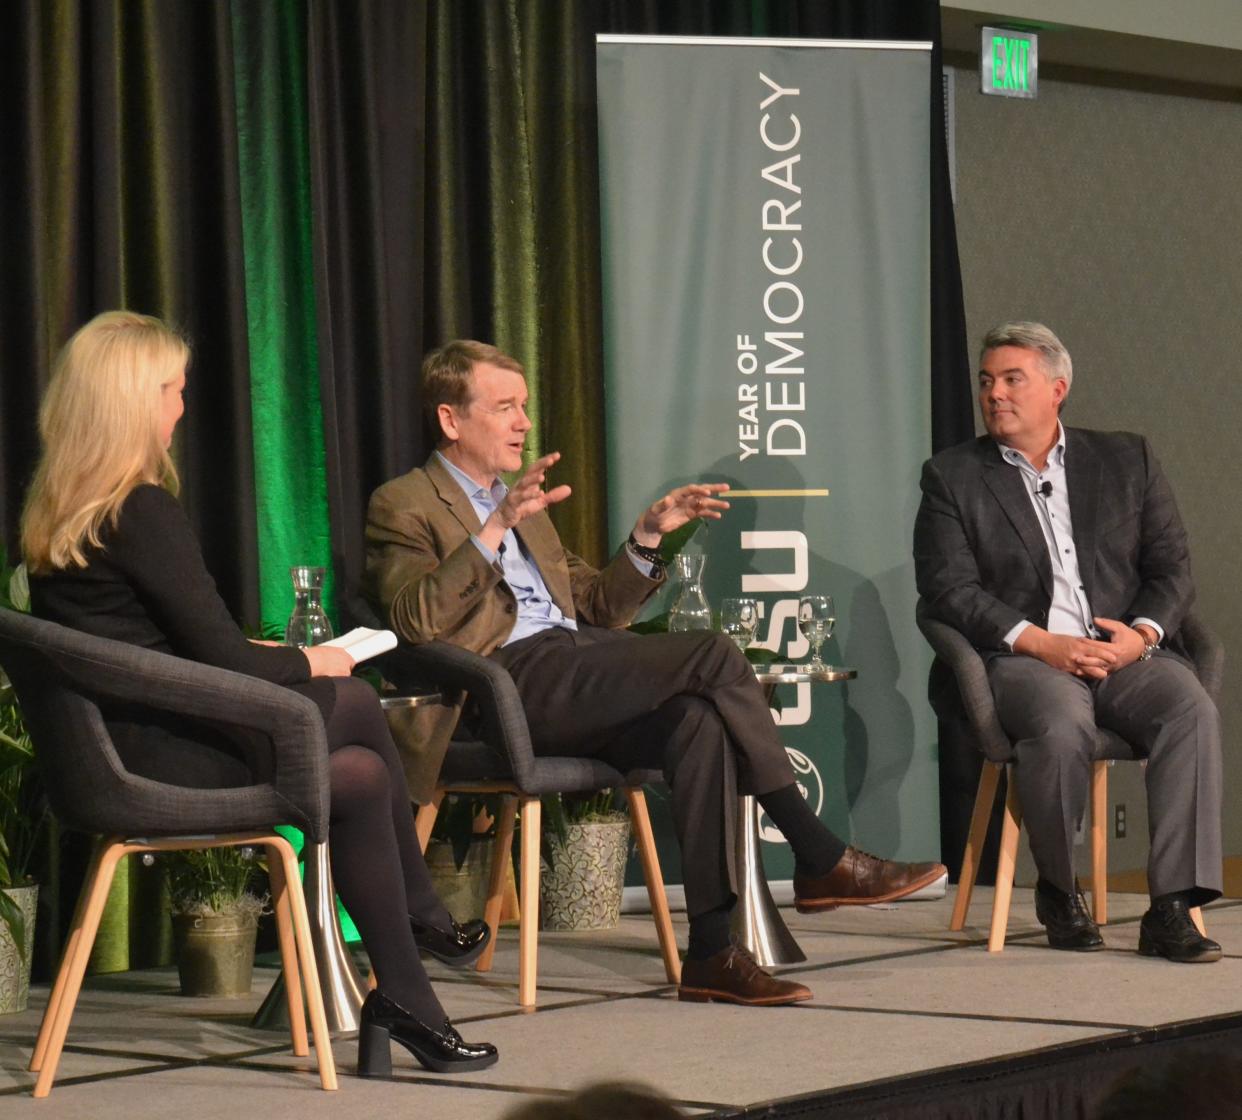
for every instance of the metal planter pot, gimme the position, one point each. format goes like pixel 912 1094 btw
pixel 14 968
pixel 463 890
pixel 215 953
pixel 581 889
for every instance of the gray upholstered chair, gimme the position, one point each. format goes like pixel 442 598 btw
pixel 61 676
pixel 973 706
pixel 496 757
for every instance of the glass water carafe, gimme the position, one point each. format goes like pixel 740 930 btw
pixel 308 624
pixel 690 610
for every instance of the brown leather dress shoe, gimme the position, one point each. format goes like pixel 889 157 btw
pixel 860 878
pixel 734 976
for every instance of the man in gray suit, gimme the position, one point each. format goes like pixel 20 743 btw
pixel 1059 553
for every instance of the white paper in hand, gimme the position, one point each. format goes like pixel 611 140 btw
pixel 362 644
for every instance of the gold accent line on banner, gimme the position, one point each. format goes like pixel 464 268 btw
pixel 776 494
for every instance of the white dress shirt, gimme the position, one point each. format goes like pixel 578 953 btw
pixel 1069 611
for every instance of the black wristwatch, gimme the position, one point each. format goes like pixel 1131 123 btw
pixel 643 552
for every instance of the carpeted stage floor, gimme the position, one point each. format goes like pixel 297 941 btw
pixel 907 1020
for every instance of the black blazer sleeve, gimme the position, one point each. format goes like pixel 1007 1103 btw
pixel 155 547
pixel 946 565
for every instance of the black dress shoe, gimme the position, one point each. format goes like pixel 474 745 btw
pixel 456 947
pixel 1065 918
pixel 1167 930
pixel 438 1049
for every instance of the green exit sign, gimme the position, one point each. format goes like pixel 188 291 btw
pixel 1009 62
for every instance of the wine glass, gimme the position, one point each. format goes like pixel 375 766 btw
pixel 816 617
pixel 738 619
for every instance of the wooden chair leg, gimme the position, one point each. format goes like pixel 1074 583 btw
pixel 425 819
pixel 1005 867
pixel 73 945
pixel 306 954
pixel 1099 843
pixel 989 777
pixel 288 951
pixel 96 888
pixel 640 819
pixel 510 910
pixel 528 925
pixel 498 878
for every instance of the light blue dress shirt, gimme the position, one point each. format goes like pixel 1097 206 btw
pixel 535 609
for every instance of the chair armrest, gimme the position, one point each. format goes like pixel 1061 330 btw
pixel 1207 651
pixel 454 669
pixel 952 647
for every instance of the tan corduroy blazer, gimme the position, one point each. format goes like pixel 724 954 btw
pixel 431 581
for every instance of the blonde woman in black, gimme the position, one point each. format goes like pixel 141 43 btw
pixel 111 552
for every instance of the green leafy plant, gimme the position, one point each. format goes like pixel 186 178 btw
pixel 23 809
pixel 213 881
pixel 463 819
pixel 560 810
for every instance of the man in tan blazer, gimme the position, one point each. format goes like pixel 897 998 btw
pixel 454 554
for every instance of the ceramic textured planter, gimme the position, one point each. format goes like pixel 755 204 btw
pixel 14 969
pixel 582 887
pixel 215 953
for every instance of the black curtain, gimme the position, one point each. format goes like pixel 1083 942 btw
pixel 454 150
pixel 120 190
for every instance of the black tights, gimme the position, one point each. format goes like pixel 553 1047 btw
pixel 377 866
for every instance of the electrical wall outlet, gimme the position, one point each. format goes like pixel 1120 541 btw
pixel 1119 820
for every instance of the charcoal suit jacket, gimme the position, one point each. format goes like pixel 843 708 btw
pixel 981 561
pixel 430 581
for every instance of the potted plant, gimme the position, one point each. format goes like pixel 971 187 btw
pixel 215 918
pixel 22 812
pixel 20 819
pixel 586 841
pixel 459 855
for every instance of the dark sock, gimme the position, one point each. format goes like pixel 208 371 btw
pixel 709 933
pixel 1172 896
pixel 816 848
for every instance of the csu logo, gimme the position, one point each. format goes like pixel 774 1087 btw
pixel 810 785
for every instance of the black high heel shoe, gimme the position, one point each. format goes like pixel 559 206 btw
pixel 456 947
pixel 440 1050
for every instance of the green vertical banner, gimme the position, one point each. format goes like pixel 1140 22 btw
pixel 765 208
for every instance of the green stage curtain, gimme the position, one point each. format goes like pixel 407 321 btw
pixel 156 158
pixel 269 43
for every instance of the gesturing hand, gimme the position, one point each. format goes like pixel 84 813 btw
pixel 526 496
pixel 677 507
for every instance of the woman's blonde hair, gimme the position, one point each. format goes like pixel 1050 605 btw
pixel 99 423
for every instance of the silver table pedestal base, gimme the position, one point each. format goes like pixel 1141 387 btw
pixel 755 921
pixel 344 989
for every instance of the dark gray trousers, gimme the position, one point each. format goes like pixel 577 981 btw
pixel 1160 709
pixel 687 704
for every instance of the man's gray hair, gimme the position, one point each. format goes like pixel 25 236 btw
pixel 1037 337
